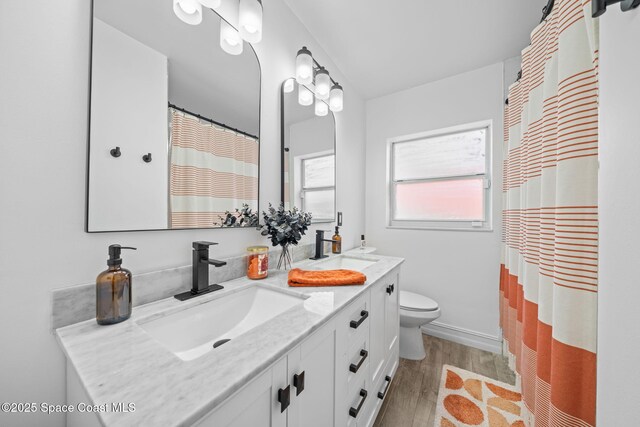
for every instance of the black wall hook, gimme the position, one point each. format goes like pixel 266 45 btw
pixel 147 158
pixel 599 7
pixel 115 152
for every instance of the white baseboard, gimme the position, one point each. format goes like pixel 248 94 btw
pixel 464 336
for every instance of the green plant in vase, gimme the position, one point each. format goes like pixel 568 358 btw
pixel 285 228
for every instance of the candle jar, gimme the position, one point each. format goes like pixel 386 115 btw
pixel 257 262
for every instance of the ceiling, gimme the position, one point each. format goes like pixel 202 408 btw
pixel 386 46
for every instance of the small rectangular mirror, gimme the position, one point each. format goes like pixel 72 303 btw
pixel 308 154
pixel 174 124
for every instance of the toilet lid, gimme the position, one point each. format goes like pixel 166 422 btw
pixel 416 302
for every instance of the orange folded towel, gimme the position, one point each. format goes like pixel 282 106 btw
pixel 300 278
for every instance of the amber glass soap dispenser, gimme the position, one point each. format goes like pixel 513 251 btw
pixel 113 290
pixel 336 246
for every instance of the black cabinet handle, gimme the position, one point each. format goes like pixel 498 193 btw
pixel 382 393
pixel 389 290
pixel 364 314
pixel 353 367
pixel 354 411
pixel 298 382
pixel 284 397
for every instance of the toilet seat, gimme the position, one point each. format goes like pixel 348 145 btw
pixel 415 302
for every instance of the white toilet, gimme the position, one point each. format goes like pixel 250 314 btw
pixel 415 310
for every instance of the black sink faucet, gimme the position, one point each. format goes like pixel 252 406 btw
pixel 200 271
pixel 320 244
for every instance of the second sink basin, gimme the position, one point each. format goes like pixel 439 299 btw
pixel 195 331
pixel 343 262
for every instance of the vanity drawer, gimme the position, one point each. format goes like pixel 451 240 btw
pixel 358 402
pixel 357 363
pixel 357 319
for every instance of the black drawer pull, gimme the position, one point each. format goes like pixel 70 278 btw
pixel 298 382
pixel 389 290
pixel 353 367
pixel 354 411
pixel 381 394
pixel 364 314
pixel 284 397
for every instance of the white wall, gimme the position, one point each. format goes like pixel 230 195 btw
pixel 619 200
pixel 44 66
pixel 129 96
pixel 458 269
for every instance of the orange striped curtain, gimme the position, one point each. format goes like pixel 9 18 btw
pixel 212 170
pixel 549 272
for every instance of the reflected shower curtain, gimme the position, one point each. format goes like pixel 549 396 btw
pixel 212 170
pixel 549 275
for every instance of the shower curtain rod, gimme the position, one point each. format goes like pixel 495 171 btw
pixel 206 119
pixel 546 11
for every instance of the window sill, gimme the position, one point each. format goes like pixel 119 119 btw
pixel 433 228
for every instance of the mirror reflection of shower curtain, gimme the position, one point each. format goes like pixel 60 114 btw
pixel 212 170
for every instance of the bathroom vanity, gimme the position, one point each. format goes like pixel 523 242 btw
pixel 257 353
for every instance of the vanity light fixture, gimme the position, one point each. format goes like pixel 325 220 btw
pixel 189 11
pixel 250 20
pixel 336 98
pixel 322 109
pixel 289 85
pixel 230 40
pixel 305 96
pixel 313 77
pixel 323 84
pixel 211 4
pixel 304 66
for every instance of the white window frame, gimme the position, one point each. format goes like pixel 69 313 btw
pixel 304 189
pixel 455 225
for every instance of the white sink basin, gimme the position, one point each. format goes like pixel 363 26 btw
pixel 343 262
pixel 192 332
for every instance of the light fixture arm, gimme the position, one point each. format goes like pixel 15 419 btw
pixel 317 66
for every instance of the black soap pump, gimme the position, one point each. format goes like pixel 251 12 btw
pixel 113 290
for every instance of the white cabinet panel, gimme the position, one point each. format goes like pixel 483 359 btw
pixel 312 377
pixel 377 329
pixel 256 405
pixel 392 319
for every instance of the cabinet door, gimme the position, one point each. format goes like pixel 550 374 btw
pixel 377 327
pixel 312 378
pixel 256 405
pixel 392 313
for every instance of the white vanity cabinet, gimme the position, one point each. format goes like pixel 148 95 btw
pixel 337 376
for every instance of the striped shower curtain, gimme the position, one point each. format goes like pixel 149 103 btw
pixel 212 170
pixel 549 272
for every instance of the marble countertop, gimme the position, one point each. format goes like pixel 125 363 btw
pixel 122 363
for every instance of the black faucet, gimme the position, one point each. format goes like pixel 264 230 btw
pixel 200 271
pixel 320 244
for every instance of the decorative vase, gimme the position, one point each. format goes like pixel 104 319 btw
pixel 284 263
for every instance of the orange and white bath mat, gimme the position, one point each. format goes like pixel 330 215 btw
pixel 468 399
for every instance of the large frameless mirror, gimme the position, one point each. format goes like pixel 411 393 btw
pixel 175 121
pixel 308 153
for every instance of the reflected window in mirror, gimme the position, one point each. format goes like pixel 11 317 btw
pixel 308 156
pixel 162 87
pixel 318 186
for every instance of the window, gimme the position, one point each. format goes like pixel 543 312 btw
pixel 441 180
pixel 318 187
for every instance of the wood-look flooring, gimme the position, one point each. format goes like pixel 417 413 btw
pixel 413 392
